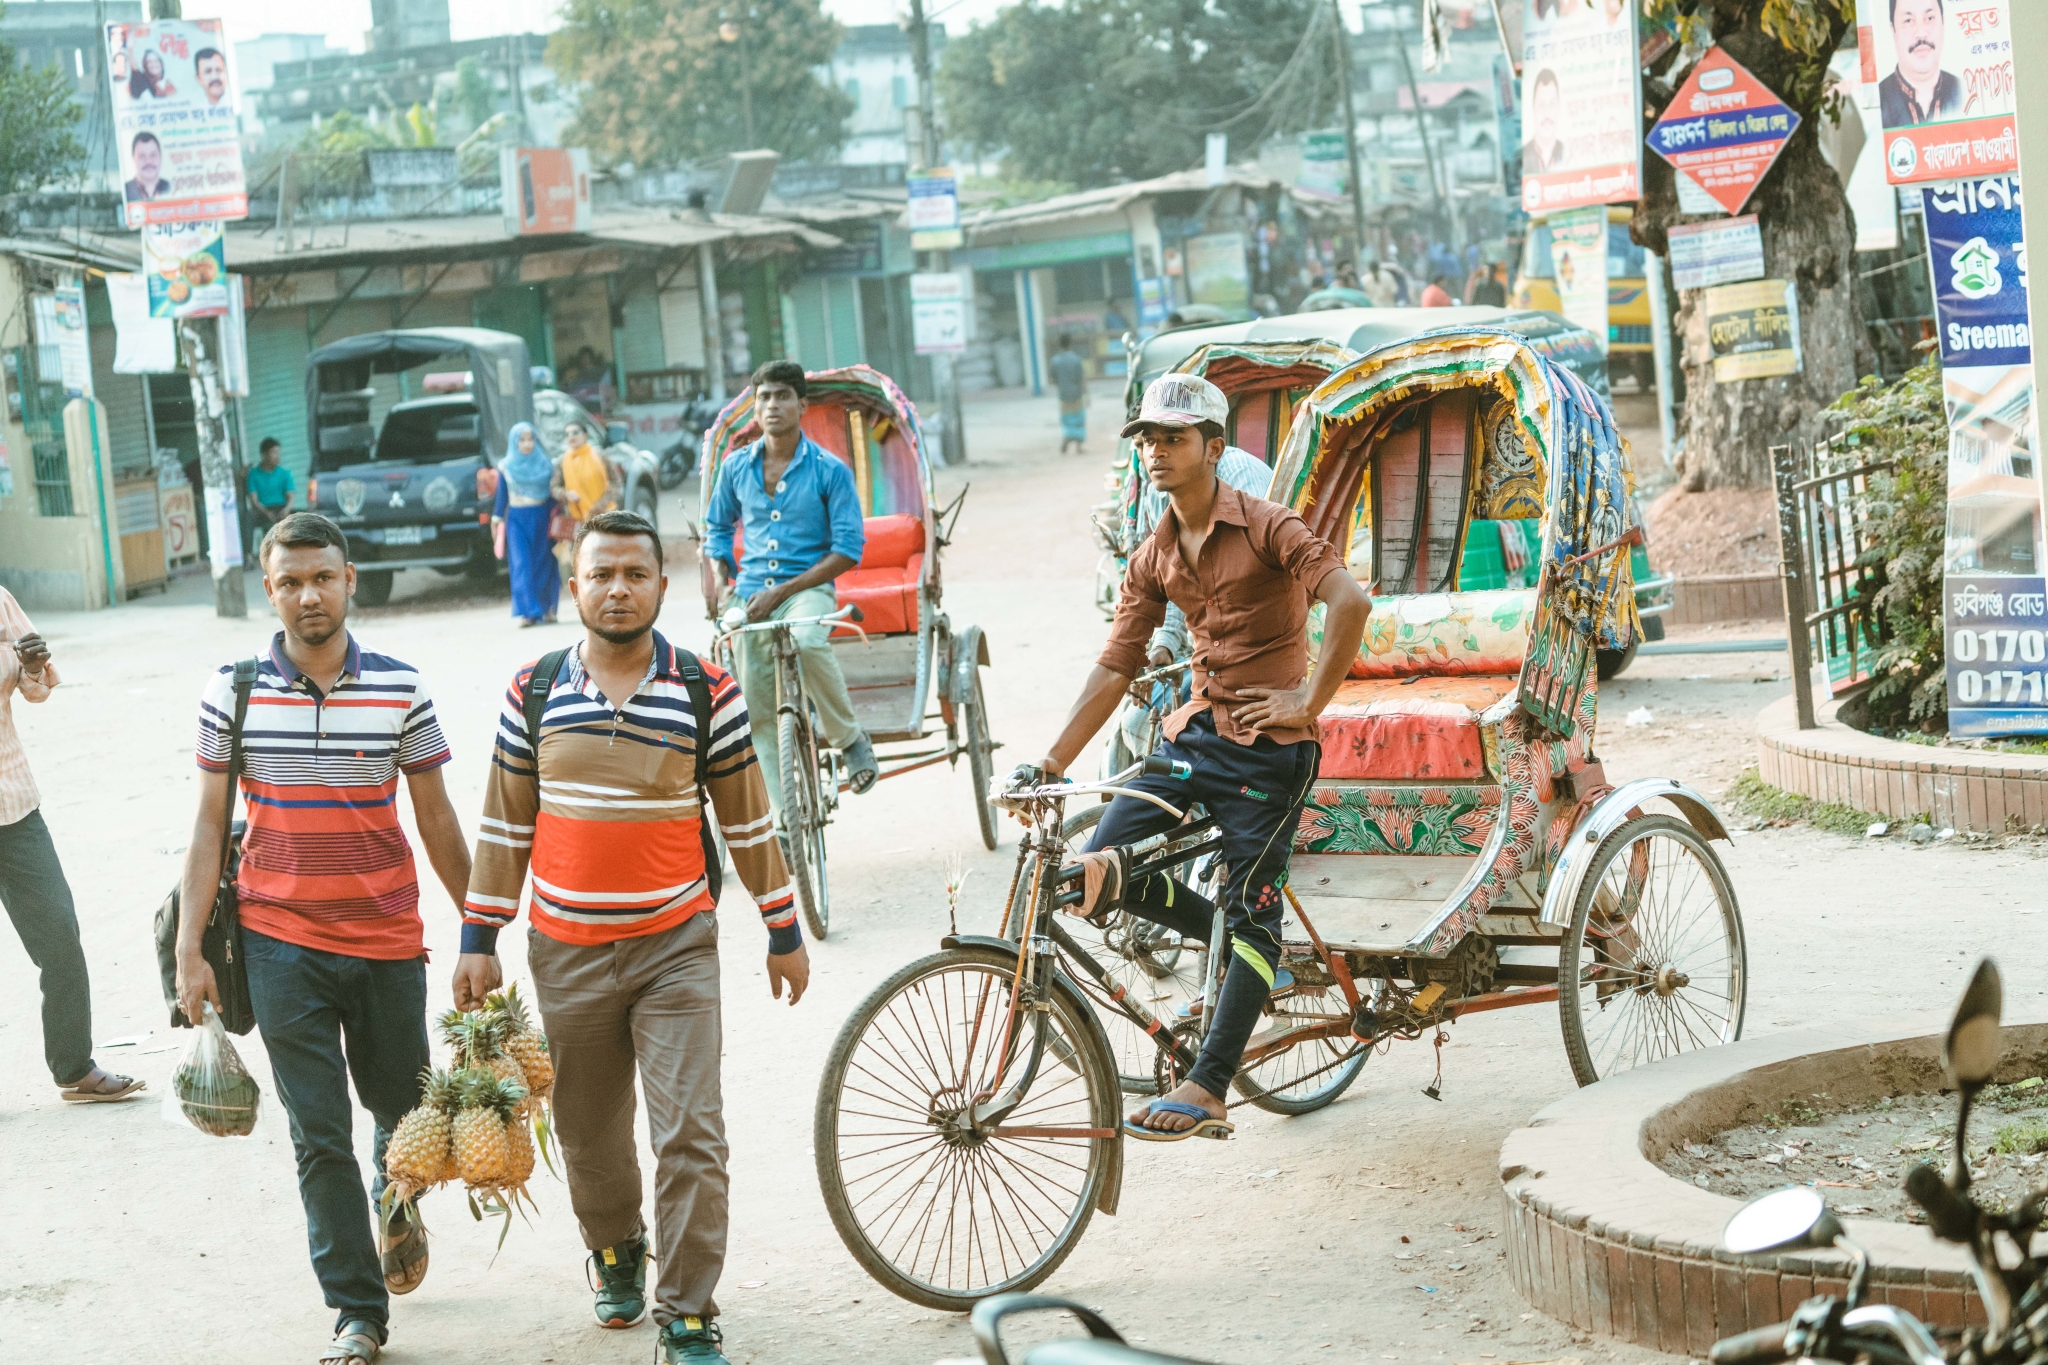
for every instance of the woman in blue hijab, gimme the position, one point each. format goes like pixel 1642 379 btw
pixel 525 507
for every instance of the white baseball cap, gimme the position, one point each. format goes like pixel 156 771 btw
pixel 1180 400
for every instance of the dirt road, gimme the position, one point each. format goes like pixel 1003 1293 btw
pixel 1361 1233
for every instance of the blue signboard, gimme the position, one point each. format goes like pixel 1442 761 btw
pixel 1997 656
pixel 1978 253
pixel 1724 128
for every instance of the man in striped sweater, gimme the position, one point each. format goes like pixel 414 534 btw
pixel 608 817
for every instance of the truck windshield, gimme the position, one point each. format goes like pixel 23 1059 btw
pixel 430 434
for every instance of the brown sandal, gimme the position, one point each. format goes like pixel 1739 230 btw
pixel 404 1258
pixel 122 1088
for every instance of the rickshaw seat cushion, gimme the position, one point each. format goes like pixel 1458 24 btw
pixel 1417 727
pixel 887 597
pixel 892 541
pixel 1443 634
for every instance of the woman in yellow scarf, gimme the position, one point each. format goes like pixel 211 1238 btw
pixel 584 486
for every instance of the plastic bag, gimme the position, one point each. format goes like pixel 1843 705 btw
pixel 211 1089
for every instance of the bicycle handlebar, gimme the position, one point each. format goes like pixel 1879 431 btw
pixel 735 622
pixel 1764 1346
pixel 1768 1346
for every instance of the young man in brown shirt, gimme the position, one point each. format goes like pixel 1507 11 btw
pixel 1243 570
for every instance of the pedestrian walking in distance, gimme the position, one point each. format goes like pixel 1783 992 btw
pixel 32 884
pixel 329 902
pixel 607 812
pixel 1070 381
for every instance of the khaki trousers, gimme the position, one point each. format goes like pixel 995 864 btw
pixel 824 684
pixel 652 1004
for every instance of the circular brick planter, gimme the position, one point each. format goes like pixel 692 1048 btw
pixel 1599 1237
pixel 1984 792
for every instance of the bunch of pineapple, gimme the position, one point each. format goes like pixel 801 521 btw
pixel 472 1123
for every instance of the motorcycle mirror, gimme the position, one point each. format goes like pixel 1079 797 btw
pixel 1970 1052
pixel 1791 1217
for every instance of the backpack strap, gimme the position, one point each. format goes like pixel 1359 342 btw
pixel 700 708
pixel 245 683
pixel 533 700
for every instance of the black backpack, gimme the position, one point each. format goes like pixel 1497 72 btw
pixel 534 702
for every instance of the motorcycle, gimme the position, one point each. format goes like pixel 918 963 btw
pixel 2012 1281
pixel 678 459
pixel 1846 1329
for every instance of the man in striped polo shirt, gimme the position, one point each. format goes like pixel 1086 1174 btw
pixel 329 902
pixel 624 940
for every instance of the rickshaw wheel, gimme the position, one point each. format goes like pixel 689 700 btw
pixel 1655 963
pixel 1611 663
pixel 803 820
pixel 980 760
pixel 1145 959
pixel 937 1211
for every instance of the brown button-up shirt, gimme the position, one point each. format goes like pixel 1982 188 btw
pixel 1247 605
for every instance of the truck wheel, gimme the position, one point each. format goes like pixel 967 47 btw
pixel 373 586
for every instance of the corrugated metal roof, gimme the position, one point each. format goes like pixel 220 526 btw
pixel 1110 199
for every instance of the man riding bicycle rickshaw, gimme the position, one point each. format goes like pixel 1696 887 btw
pixel 1243 571
pixel 800 525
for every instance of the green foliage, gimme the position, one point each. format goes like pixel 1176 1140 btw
pixel 1001 194
pixel 658 86
pixel 1758 799
pixel 474 98
pixel 38 125
pixel 1906 515
pixel 1096 91
pixel 2021 1139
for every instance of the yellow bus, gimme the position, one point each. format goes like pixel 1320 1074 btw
pixel 1629 350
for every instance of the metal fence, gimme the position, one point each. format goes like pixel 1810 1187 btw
pixel 1830 582
pixel 42 420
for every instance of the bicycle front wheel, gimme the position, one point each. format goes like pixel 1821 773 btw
pixel 803 820
pixel 940 1211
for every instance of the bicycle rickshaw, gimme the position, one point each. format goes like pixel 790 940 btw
pixel 1463 850
pixel 897 648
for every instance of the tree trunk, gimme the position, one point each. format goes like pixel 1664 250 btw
pixel 1809 237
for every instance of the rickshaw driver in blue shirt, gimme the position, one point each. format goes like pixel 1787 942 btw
pixel 801 525
pixel 1243 569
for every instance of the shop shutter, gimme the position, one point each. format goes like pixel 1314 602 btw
pixel 121 395
pixel 842 296
pixel 807 315
pixel 639 341
pixel 826 309
pixel 276 405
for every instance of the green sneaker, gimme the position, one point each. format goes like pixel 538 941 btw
pixel 621 1283
pixel 692 1341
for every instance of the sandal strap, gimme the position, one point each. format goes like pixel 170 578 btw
pixel 345 1347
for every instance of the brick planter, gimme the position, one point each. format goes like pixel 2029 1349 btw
pixel 1726 597
pixel 1985 792
pixel 1598 1237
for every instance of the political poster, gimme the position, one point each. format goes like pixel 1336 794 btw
pixel 1325 166
pixel 65 356
pixel 1994 616
pixel 1723 251
pixel 1723 130
pixel 186 266
pixel 174 122
pixel 1944 76
pixel 1581 104
pixel 1753 330
pixel 1578 251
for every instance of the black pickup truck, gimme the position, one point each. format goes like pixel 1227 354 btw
pixel 412 482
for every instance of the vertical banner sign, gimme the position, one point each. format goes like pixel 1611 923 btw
pixel 1578 249
pixel 1325 167
pixel 1218 273
pixel 1996 613
pixel 934 211
pixel 65 332
pixel 938 312
pixel 1723 130
pixel 174 122
pixel 1944 76
pixel 1581 106
pixel 186 265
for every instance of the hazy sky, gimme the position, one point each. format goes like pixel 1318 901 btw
pixel 344 21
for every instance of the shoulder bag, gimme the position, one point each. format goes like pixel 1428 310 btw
pixel 222 943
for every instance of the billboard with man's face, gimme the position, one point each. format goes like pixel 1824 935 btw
pixel 1944 76
pixel 174 122
pixel 1581 105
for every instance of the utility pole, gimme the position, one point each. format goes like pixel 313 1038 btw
pixel 1422 127
pixel 952 435
pixel 1350 137
pixel 729 32
pixel 198 339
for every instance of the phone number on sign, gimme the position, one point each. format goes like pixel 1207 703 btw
pixel 1994 685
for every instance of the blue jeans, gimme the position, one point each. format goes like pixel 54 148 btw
pixel 325 1019
pixel 38 900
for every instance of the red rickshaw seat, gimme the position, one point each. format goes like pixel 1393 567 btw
pixel 1414 727
pixel 884 587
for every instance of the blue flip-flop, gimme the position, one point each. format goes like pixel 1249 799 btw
pixel 1206 1125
